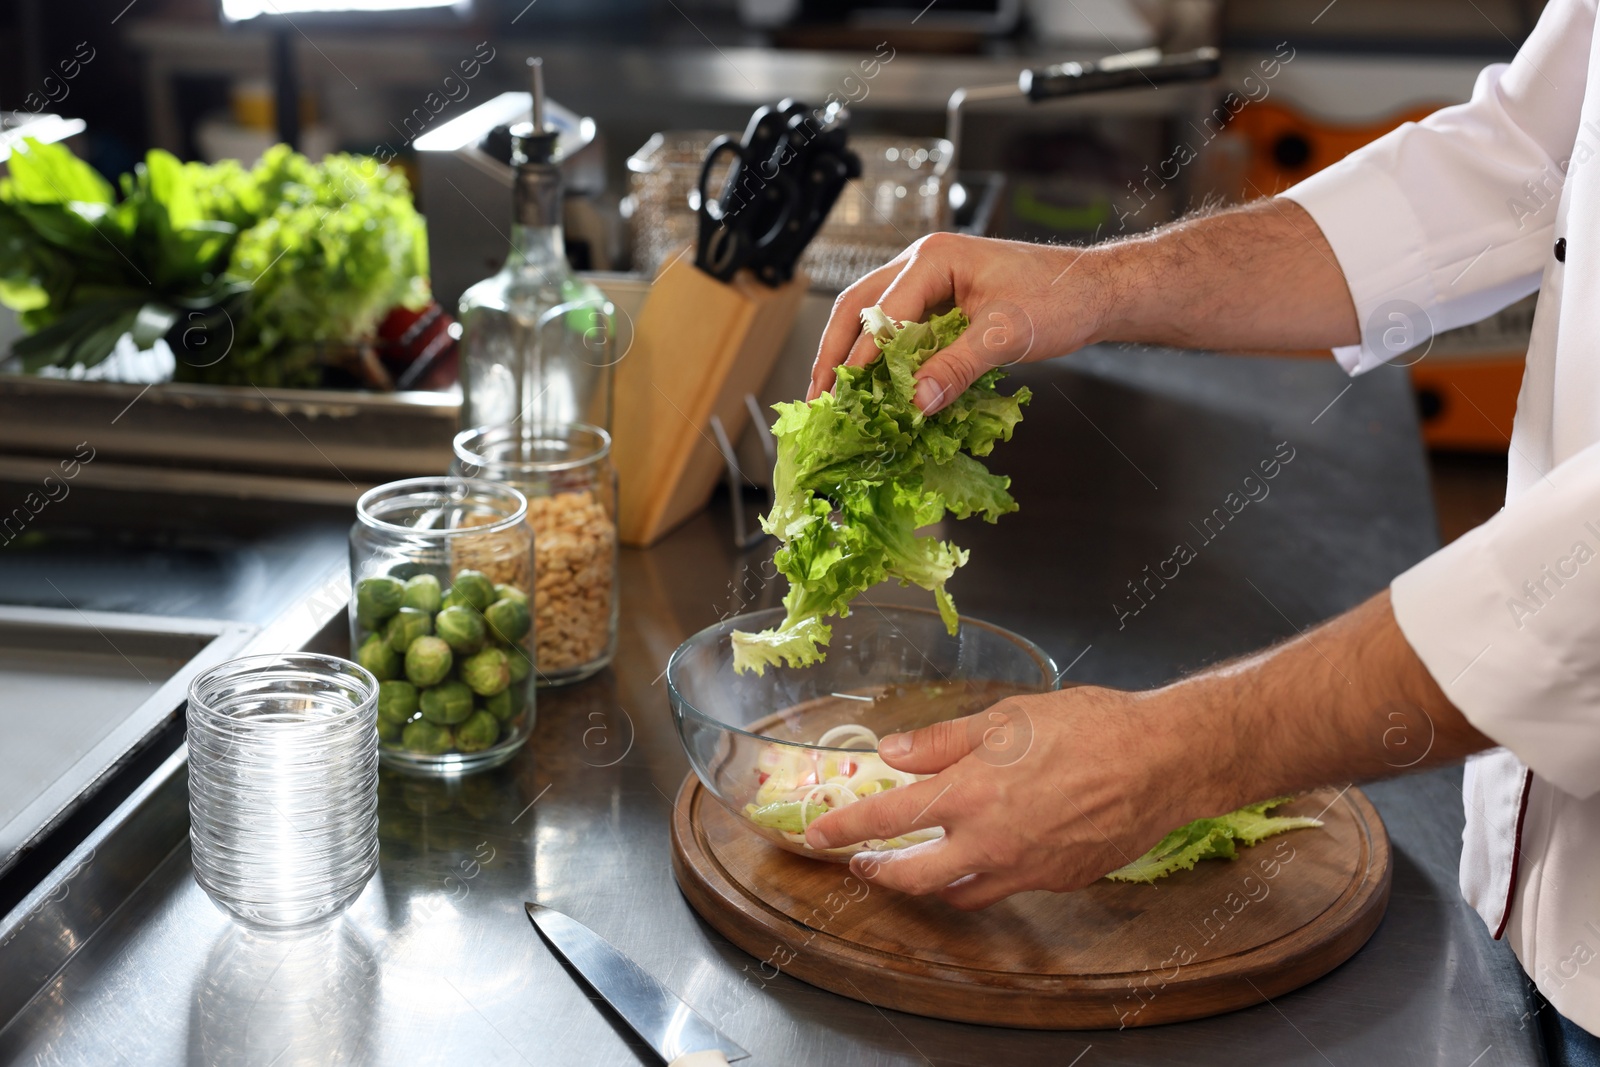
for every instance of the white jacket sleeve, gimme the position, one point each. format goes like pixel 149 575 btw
pixel 1445 221
pixel 1505 620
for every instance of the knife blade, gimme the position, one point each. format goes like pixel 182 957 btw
pixel 659 1016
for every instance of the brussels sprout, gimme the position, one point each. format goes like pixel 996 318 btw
pixel 508 620
pixel 397 701
pixel 521 666
pixel 389 732
pixel 487 672
pixel 478 732
pixel 507 702
pixel 376 656
pixel 423 593
pixel 405 570
pixel 476 587
pixel 510 592
pixel 377 599
pixel 428 660
pixel 461 627
pixel 405 626
pixel 447 703
pixel 453 599
pixel 426 738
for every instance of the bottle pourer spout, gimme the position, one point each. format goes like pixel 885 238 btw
pixel 535 141
pixel 536 73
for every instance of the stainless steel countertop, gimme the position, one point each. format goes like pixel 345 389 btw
pixel 437 962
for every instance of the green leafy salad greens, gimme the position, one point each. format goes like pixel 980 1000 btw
pixel 338 243
pixel 860 470
pixel 266 263
pixel 1206 839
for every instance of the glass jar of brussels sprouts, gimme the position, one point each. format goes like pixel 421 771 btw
pixel 571 485
pixel 441 570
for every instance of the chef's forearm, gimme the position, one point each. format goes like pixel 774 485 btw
pixel 1347 701
pixel 1257 277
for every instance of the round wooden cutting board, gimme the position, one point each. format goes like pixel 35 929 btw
pixel 1220 937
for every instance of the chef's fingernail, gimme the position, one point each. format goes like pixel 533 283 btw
pixel 894 746
pixel 816 838
pixel 928 394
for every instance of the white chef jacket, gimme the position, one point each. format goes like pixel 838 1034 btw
pixel 1458 216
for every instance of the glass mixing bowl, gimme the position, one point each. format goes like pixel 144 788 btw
pixel 777 749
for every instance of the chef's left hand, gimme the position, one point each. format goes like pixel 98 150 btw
pixel 1045 791
pixel 1053 790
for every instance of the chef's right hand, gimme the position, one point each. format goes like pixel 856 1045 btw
pixel 1026 302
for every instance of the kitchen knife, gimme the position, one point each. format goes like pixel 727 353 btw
pixel 1146 67
pixel 680 1036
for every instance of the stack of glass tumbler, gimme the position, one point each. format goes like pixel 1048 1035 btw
pixel 283 780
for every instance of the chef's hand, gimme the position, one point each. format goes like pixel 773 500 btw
pixel 1257 277
pixel 1025 302
pixel 1053 790
pixel 1047 791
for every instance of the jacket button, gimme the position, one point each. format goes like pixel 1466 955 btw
pixel 1561 249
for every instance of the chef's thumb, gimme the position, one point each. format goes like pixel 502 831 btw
pixel 947 374
pixel 928 750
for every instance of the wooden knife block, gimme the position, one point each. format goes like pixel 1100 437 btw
pixel 699 346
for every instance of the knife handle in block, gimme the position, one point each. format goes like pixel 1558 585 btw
pixel 710 1057
pixel 699 346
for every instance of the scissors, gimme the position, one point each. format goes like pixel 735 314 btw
pixel 757 200
pixel 822 165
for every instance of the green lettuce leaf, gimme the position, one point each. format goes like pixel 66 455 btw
pixel 796 643
pixel 50 174
pixel 1206 839
pixel 339 243
pixel 860 470
pixel 891 522
pixel 967 487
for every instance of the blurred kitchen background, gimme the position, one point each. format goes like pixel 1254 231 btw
pixel 638 87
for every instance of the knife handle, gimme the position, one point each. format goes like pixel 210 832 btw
pixel 711 1057
pixel 1147 67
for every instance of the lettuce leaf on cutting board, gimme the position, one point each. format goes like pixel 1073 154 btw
pixel 860 470
pixel 1206 839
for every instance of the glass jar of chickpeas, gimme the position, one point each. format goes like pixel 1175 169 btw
pixel 567 475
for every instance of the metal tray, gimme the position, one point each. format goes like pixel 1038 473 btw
pixel 309 445
pixel 83 692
